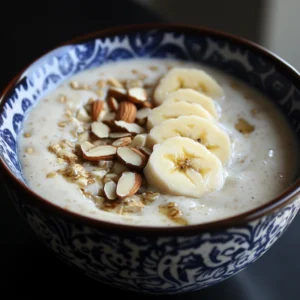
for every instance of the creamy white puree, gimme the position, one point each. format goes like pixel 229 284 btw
pixel 262 166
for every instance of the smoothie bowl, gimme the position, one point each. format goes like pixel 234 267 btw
pixel 161 159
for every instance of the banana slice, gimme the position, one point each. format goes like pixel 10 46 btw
pixel 175 110
pixel 181 166
pixel 192 96
pixel 199 129
pixel 195 79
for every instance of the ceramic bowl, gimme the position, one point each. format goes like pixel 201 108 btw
pixel 151 260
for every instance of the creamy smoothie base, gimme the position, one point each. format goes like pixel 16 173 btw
pixel 261 166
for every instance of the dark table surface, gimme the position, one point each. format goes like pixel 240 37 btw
pixel 28 268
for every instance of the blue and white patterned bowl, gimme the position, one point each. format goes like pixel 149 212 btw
pixel 151 260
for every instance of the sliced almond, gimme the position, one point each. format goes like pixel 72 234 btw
pixel 143 113
pixel 131 157
pixel 126 112
pixel 137 95
pixel 105 152
pixel 86 146
pixel 109 189
pixel 119 93
pixel 128 184
pixel 128 127
pixel 82 115
pixel 110 116
pixel 117 135
pixel 139 141
pixel 121 142
pixel 100 129
pixel 147 104
pixel 97 107
pixel 112 103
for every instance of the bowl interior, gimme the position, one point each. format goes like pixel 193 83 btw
pixel 250 63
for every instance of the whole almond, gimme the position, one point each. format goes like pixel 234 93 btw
pixel 126 112
pixel 97 107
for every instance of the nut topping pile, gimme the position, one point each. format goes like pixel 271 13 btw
pixel 109 151
pixel 123 145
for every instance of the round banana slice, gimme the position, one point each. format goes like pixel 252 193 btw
pixel 199 129
pixel 178 78
pixel 180 166
pixel 175 110
pixel 192 96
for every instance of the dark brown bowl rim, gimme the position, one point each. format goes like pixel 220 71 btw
pixel 238 220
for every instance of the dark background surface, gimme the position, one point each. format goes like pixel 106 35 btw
pixel 30 270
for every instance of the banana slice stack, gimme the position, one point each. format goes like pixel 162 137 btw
pixel 190 149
